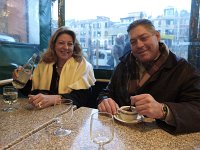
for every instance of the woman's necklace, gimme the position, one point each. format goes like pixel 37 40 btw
pixel 59 68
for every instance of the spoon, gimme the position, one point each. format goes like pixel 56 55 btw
pixel 130 107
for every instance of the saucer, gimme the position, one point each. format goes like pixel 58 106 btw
pixel 139 119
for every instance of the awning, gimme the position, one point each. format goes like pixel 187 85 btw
pixel 165 36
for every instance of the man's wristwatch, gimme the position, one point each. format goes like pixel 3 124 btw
pixel 165 111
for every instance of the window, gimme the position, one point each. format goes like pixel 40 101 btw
pixel 171 18
pixel 19 21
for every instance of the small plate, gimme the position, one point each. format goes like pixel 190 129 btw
pixel 139 119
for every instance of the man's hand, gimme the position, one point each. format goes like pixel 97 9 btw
pixel 108 105
pixel 146 105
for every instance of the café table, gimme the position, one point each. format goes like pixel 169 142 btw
pixel 24 121
pixel 138 136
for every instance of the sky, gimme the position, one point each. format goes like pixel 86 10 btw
pixel 77 9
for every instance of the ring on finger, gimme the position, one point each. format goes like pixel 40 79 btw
pixel 40 104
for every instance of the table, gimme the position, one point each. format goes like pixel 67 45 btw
pixel 139 136
pixel 24 121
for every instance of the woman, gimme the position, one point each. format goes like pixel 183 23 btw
pixel 61 73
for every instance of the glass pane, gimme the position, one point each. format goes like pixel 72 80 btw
pixel 54 16
pixel 101 26
pixel 19 21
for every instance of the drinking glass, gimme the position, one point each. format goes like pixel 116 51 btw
pixel 64 118
pixel 101 128
pixel 10 96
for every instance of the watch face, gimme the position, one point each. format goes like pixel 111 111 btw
pixel 165 111
pixel 165 108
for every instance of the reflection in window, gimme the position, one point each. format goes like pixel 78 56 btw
pixel 171 19
pixel 19 21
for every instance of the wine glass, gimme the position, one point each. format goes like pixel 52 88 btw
pixel 101 128
pixel 10 96
pixel 64 118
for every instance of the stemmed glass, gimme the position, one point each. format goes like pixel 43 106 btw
pixel 64 118
pixel 10 96
pixel 101 128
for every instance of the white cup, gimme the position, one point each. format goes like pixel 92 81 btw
pixel 127 115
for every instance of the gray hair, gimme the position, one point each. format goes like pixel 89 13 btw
pixel 141 22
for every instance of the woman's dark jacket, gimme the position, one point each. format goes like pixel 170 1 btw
pixel 177 84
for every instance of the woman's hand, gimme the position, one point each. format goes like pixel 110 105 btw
pixel 146 105
pixel 108 105
pixel 42 101
pixel 15 73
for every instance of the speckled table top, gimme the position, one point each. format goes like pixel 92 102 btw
pixel 140 136
pixel 23 121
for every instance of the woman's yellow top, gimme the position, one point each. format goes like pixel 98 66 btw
pixel 74 76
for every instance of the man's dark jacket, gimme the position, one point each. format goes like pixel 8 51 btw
pixel 177 84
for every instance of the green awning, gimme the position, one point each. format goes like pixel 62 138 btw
pixel 165 36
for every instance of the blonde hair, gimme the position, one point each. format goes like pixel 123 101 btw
pixel 50 56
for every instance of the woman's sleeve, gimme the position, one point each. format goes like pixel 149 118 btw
pixel 81 98
pixel 27 88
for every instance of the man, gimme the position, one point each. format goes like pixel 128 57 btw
pixel 159 84
pixel 118 48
